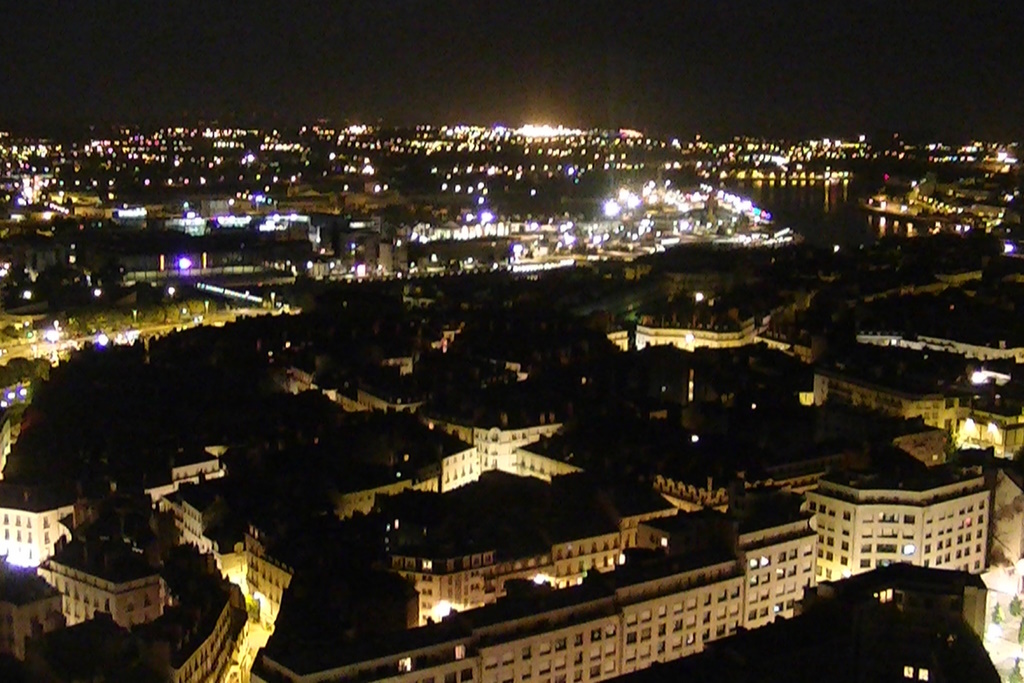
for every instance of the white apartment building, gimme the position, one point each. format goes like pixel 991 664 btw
pixel 31 524
pixel 690 338
pixel 775 545
pixel 779 562
pixel 124 587
pixel 581 634
pixel 934 520
pixel 656 612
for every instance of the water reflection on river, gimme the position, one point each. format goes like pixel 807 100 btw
pixel 824 212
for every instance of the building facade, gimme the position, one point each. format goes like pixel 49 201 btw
pixel 29 607
pixel 688 339
pixel 128 600
pixel 864 523
pixel 653 612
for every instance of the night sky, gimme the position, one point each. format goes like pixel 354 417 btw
pixel 950 68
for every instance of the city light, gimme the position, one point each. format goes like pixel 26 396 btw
pixel 612 208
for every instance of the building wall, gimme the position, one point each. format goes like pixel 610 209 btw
pixel 922 343
pixel 620 338
pixel 498 445
pixel 213 655
pixel 858 531
pixel 574 559
pixel 128 603
pixel 19 622
pixel 528 464
pixel 348 504
pixel 459 469
pixel 689 339
pixel 266 578
pixel 448 585
pixel 1004 434
pixel 779 564
pixel 28 538
pixel 936 410
pixel 584 651
pixel 1006 522
pixel 659 620
pixel 374 402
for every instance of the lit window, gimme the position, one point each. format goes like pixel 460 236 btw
pixel 405 664
pixel 460 652
pixel 908 672
pixel 922 674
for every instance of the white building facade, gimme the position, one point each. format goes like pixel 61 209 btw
pixel 861 526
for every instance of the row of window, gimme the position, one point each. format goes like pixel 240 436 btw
pixel 28 521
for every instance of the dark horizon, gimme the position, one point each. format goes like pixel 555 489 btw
pixel 729 67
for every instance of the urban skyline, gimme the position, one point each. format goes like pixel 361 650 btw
pixel 493 342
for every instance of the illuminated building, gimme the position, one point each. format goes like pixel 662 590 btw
pixel 934 517
pixel 32 521
pixel 885 396
pixel 105 577
pixel 724 336
pixel 772 540
pixel 900 623
pixel 266 578
pixel 199 513
pixel 434 540
pixel 651 610
pixel 497 444
pixel 196 644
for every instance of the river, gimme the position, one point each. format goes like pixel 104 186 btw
pixel 824 213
